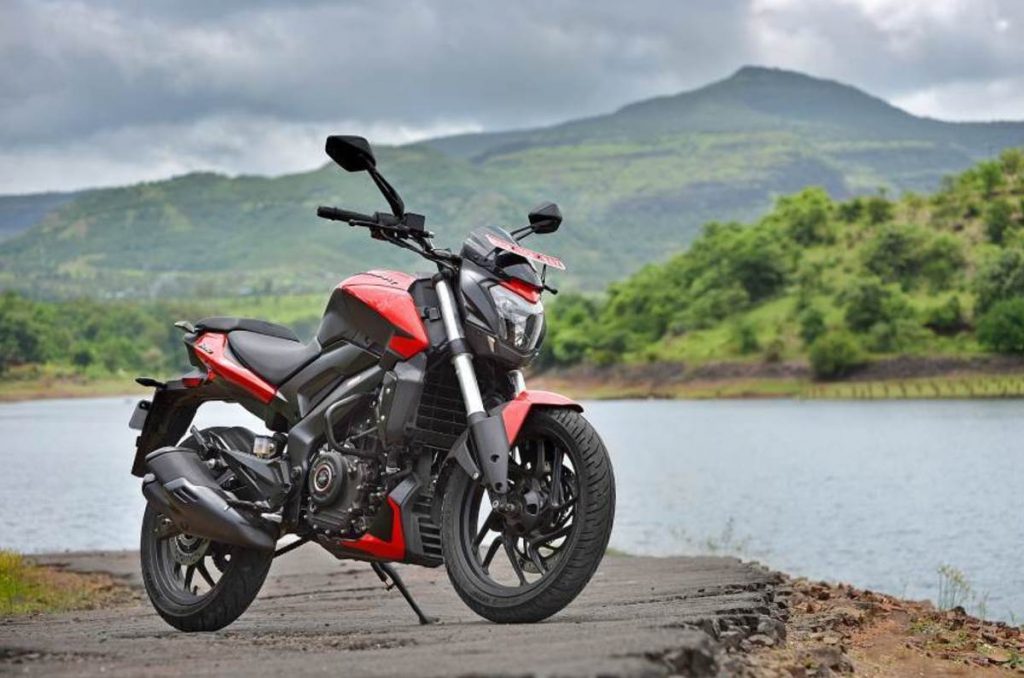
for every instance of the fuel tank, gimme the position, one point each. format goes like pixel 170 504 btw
pixel 375 311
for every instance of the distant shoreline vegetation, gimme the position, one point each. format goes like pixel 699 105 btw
pixel 836 285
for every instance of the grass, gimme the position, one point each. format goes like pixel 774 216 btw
pixel 26 588
pixel 951 387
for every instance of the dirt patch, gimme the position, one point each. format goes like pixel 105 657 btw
pixel 839 629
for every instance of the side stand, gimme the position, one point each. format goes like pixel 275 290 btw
pixel 386 573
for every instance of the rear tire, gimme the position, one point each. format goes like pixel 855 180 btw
pixel 172 580
pixel 563 574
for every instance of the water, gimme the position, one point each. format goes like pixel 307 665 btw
pixel 878 494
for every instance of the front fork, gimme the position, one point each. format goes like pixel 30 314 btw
pixel 490 442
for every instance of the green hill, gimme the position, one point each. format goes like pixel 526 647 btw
pixel 634 185
pixel 842 283
pixel 939 279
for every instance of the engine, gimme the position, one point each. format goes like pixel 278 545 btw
pixel 345 491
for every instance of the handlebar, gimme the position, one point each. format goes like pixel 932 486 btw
pixel 396 230
pixel 338 214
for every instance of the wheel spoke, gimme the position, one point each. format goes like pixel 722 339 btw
pixel 556 479
pixel 550 537
pixel 493 549
pixel 205 573
pixel 190 572
pixel 538 469
pixel 513 558
pixel 536 559
pixel 483 531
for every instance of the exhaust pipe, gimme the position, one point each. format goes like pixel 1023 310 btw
pixel 181 486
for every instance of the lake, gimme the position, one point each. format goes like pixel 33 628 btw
pixel 878 494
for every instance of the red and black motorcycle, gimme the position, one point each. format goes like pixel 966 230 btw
pixel 403 432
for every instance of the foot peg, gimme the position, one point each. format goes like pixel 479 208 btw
pixel 390 577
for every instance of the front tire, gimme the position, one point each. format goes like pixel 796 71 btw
pixel 196 584
pixel 553 549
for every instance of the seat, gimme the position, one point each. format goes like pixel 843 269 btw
pixel 272 357
pixel 229 324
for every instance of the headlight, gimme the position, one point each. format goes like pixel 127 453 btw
pixel 519 321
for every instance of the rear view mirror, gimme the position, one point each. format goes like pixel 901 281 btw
pixel 545 218
pixel 352 153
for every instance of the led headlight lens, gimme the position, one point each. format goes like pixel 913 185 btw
pixel 519 321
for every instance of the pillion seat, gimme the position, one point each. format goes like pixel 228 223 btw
pixel 229 324
pixel 274 352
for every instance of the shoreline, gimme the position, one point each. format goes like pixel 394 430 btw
pixel 898 378
pixel 891 379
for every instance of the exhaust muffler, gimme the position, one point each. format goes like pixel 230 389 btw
pixel 181 486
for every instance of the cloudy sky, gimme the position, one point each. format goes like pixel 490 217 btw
pixel 104 93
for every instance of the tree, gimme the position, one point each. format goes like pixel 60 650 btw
pixel 895 254
pixel 1012 160
pixel 998 220
pixel 806 216
pixel 879 209
pixel 851 210
pixel 835 355
pixel 1001 329
pixel 870 302
pixel 1000 277
pixel 990 176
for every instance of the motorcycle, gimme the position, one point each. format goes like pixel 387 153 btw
pixel 403 432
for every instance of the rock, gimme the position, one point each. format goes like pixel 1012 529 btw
pixel 995 655
pixel 761 640
pixel 828 657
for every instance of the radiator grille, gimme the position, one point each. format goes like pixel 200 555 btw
pixel 441 417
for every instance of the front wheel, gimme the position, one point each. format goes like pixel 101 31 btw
pixel 526 565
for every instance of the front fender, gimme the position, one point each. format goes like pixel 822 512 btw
pixel 515 412
pixel 488 462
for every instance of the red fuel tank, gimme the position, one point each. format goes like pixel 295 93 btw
pixel 375 309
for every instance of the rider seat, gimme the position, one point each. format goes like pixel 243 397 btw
pixel 274 352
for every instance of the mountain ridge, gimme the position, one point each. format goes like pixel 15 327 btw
pixel 659 168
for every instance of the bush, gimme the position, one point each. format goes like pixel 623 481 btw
pixel 812 325
pixel 1001 329
pixel 744 336
pixel 947 318
pixel 835 355
pixel 897 334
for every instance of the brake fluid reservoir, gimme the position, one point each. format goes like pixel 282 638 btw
pixel 264 447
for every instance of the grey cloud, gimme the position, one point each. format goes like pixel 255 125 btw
pixel 145 89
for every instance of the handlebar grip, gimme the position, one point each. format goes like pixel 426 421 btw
pixel 338 214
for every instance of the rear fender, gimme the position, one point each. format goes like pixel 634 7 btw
pixel 169 415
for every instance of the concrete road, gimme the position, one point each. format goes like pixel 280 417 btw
pixel 316 615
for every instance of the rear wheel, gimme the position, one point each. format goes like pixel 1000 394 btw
pixel 197 584
pixel 526 566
